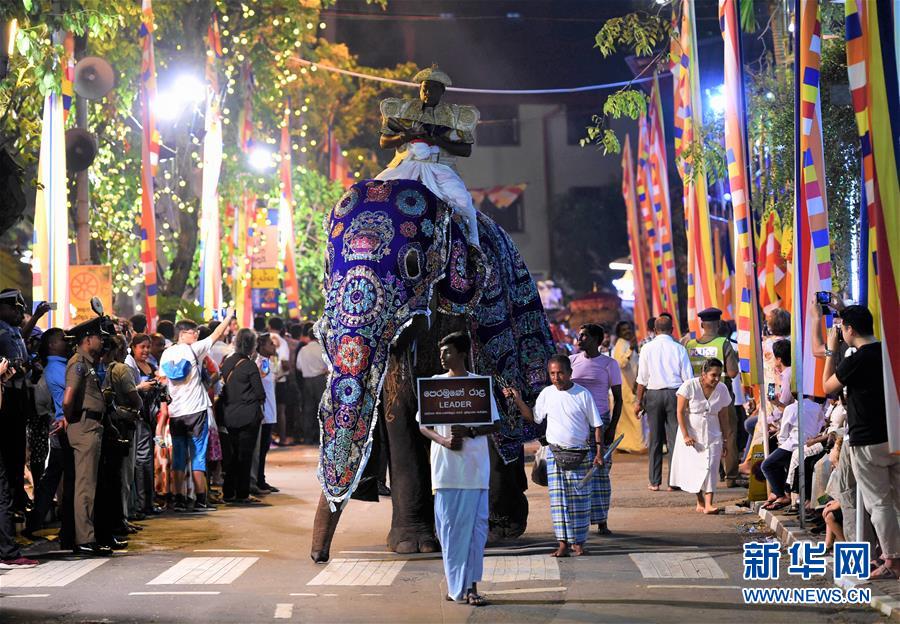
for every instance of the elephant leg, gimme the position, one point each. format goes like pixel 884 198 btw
pixel 323 530
pixel 509 506
pixel 412 522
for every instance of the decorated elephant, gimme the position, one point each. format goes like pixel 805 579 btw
pixel 399 276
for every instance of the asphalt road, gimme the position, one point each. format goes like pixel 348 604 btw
pixel 664 563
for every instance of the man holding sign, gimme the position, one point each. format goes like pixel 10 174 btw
pixel 460 464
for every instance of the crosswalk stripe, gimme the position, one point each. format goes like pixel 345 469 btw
pixel 205 571
pixel 694 565
pixel 358 572
pixel 50 574
pixel 508 569
pixel 284 611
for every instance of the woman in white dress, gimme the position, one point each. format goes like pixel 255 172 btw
pixel 702 408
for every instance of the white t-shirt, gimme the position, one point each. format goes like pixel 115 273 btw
pixel 189 395
pixel 267 372
pixel 219 351
pixel 283 351
pixel 813 419
pixel 570 415
pixel 466 469
pixel 310 362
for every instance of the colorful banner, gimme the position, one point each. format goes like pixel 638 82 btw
pixel 86 281
pixel 210 291
pixel 149 163
pixel 246 216
pixel 654 250
pixel 772 267
pixel 68 77
pixel 338 167
pixel 50 240
pixel 245 117
pixel 872 49
pixel 747 319
pixel 286 220
pixel 641 311
pixel 662 210
pixel 812 255
pixel 701 272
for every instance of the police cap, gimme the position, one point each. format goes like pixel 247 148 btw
pixel 93 327
pixel 710 314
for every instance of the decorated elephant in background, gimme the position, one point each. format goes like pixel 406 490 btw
pixel 399 276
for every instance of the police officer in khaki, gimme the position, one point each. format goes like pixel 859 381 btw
pixel 711 345
pixel 83 407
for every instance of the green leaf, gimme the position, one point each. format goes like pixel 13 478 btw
pixel 28 4
pixel 23 44
pixel 748 16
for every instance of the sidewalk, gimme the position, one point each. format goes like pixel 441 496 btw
pixel 885 594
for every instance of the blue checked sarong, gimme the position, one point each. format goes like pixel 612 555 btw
pixel 601 488
pixel 570 506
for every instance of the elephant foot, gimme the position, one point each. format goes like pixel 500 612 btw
pixel 324 527
pixel 505 528
pixel 409 540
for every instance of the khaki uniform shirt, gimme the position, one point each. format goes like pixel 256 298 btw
pixel 82 376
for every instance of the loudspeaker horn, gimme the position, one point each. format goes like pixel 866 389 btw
pixel 94 77
pixel 81 149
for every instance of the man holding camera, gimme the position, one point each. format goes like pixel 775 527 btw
pixel 83 408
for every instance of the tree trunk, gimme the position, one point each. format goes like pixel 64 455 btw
pixel 82 184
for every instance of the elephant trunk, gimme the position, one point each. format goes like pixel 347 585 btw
pixel 323 530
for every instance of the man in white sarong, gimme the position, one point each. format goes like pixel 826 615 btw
pixel 428 137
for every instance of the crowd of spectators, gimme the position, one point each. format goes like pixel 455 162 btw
pixel 106 424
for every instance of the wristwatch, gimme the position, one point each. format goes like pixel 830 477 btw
pixel 828 352
pixel 472 432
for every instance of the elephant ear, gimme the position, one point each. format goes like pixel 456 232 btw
pixel 512 335
pixel 467 272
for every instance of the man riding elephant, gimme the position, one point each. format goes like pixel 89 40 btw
pixel 401 272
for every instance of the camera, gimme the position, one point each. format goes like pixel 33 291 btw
pixel 770 393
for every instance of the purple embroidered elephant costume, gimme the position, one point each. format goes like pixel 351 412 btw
pixel 394 252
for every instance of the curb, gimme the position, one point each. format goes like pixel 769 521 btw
pixel 788 531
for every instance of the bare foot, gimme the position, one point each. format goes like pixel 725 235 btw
pixel 653 488
pixel 673 488
pixel 711 511
pixel 562 551
pixel 700 508
pixel 578 550
pixel 744 468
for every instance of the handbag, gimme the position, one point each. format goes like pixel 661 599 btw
pixel 221 398
pixel 568 459
pixel 539 469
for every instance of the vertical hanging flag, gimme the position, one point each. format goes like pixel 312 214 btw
pixel 246 217
pixel 701 273
pixel 338 167
pixel 772 271
pixel 286 219
pixel 662 207
pixel 149 162
pixel 245 117
pixel 872 48
pixel 654 251
pixel 812 254
pixel 68 77
pixel 50 240
pixel 641 313
pixel 747 317
pixel 210 230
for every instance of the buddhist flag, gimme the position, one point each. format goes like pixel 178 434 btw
pixel 50 240
pixel 812 254
pixel 772 267
pixel 210 225
pixel 872 48
pixel 641 312
pixel 654 251
pixel 68 77
pixel 149 162
pixel 245 117
pixel 701 271
pixel 659 197
pixel 338 167
pixel 286 219
pixel 747 317
pixel 244 221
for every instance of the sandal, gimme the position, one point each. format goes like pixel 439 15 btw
pixel 775 505
pixel 476 600
pixel 883 573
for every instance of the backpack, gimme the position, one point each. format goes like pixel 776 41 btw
pixel 180 370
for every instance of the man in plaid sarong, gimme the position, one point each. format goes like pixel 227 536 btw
pixel 572 417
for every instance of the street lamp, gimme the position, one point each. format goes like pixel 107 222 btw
pixel 185 91
pixel 260 158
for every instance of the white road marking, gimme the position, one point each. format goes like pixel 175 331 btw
pixel 510 569
pixel 26 595
pixel 284 611
pixel 174 593
pixel 695 565
pixel 371 594
pixel 307 595
pixel 529 590
pixel 330 595
pixel 693 586
pixel 50 574
pixel 205 571
pixel 233 550
pixel 358 572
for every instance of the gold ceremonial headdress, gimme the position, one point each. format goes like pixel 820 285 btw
pixel 434 74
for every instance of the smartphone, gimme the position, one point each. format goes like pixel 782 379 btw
pixel 823 297
pixel 771 392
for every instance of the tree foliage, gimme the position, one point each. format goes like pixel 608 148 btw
pixel 266 35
